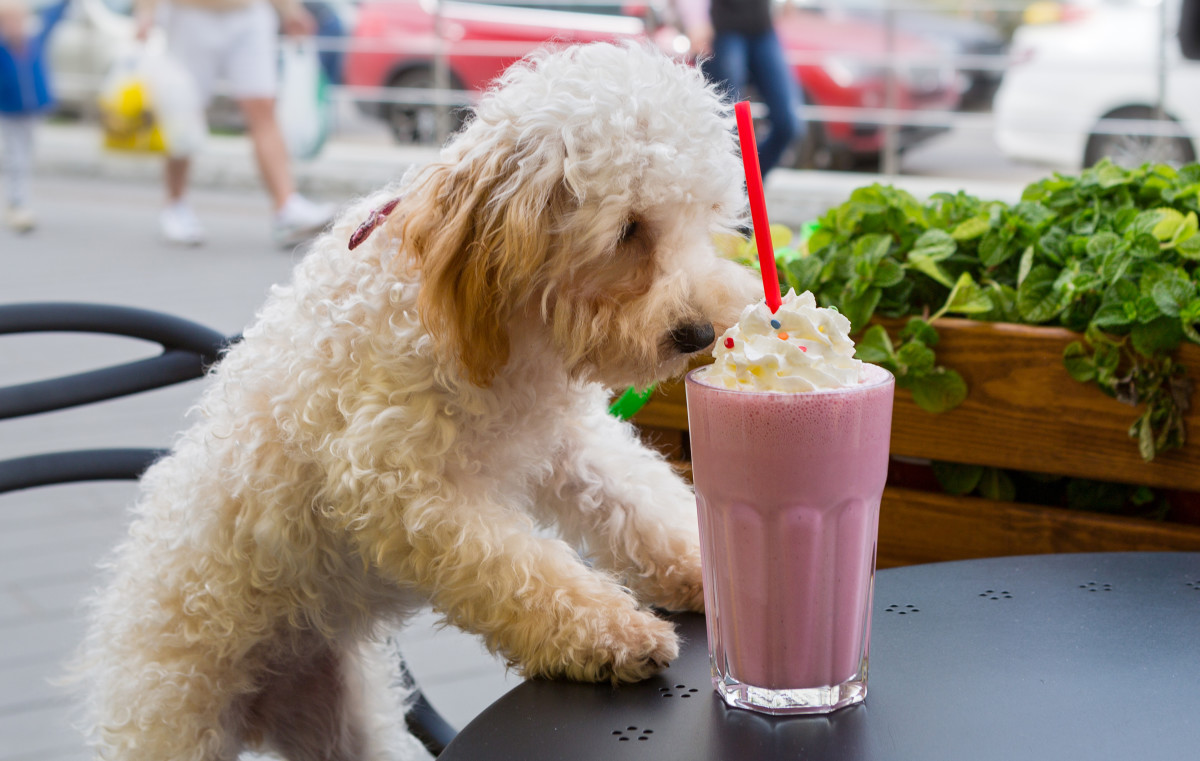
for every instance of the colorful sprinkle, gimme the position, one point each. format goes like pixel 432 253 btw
pixel 728 343
pixel 783 336
pixel 803 348
pixel 775 324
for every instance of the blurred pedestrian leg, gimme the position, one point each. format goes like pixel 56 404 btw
pixel 738 48
pixel 741 59
pixel 25 94
pixel 16 132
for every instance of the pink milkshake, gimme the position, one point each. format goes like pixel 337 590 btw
pixel 788 485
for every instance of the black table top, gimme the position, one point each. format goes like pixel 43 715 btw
pixel 1088 657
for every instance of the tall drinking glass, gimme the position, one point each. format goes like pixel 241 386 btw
pixel 788 487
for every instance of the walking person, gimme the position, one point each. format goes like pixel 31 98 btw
pixel 25 95
pixel 736 43
pixel 235 42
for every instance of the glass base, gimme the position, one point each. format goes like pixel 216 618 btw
pixel 806 700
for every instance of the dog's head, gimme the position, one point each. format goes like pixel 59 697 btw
pixel 577 208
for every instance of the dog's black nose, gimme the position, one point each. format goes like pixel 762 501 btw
pixel 693 338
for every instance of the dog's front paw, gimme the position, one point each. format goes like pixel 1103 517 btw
pixel 683 587
pixel 678 586
pixel 686 595
pixel 626 645
pixel 639 648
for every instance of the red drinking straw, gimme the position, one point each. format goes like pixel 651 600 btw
pixel 758 205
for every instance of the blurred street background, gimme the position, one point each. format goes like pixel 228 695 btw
pixel 931 95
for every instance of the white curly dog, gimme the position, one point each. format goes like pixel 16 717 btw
pixel 403 418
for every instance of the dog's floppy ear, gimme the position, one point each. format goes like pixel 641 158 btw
pixel 476 233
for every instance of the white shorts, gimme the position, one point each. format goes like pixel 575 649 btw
pixel 233 52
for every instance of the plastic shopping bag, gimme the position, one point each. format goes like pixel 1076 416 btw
pixel 125 112
pixel 302 106
pixel 148 103
pixel 175 101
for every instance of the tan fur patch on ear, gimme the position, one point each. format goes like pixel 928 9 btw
pixel 479 246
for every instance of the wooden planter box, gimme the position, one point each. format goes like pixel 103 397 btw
pixel 1023 412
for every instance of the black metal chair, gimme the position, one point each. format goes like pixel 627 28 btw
pixel 189 350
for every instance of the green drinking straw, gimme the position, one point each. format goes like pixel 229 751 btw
pixel 628 404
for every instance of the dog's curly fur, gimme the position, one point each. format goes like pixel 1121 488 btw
pixel 403 416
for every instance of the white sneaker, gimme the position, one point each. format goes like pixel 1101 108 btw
pixel 179 224
pixel 299 220
pixel 20 219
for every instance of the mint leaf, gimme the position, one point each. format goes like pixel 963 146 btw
pixel 1147 310
pixel 1189 316
pixel 874 346
pixel 889 272
pixel 994 249
pixel 1143 431
pixel 1025 265
pixel 1038 298
pixel 1161 335
pixel 1189 248
pixel 1106 360
pixel 1169 225
pixel 915 356
pixel 917 329
pixel 1109 175
pixel 1172 293
pixel 1145 223
pixel 1144 246
pixel 872 248
pixel 939 391
pixel 1004 301
pixel 955 478
pixel 934 245
pixel 1079 364
pixel 803 274
pixel 928 266
pixel 1104 244
pixel 967 297
pixel 996 484
pixel 1033 214
pixel 972 228
pixel 859 308
pixel 1112 315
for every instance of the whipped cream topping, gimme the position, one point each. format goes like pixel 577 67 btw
pixel 801 347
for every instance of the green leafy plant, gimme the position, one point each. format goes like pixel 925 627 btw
pixel 1111 254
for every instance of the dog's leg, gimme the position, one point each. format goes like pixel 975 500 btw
pixel 634 515
pixel 531 598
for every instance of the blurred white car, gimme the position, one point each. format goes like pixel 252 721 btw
pixel 1084 82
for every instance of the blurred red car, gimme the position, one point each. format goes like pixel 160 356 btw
pixel 839 63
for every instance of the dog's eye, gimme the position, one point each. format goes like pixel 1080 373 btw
pixel 629 230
